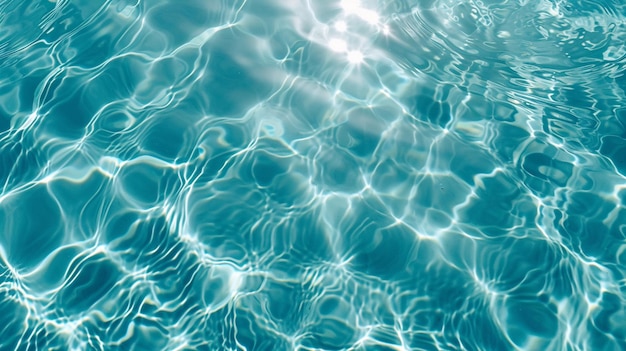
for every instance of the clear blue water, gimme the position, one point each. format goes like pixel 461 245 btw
pixel 312 175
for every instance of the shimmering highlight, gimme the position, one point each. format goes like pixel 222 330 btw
pixel 312 175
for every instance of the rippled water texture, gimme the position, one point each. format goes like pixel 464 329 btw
pixel 321 175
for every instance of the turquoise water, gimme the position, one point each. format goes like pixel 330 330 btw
pixel 312 175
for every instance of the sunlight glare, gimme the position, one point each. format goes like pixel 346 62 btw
pixel 355 57
pixel 386 30
pixel 354 7
pixel 350 6
pixel 341 26
pixel 338 45
pixel 369 16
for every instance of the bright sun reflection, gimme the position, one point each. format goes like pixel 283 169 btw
pixel 341 26
pixel 338 45
pixel 368 16
pixel 355 57
pixel 354 13
pixel 350 6
pixel 354 7
pixel 386 30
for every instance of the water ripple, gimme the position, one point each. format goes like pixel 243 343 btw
pixel 336 175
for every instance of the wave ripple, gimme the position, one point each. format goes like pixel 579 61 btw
pixel 312 175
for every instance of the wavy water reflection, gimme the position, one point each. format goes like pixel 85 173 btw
pixel 335 175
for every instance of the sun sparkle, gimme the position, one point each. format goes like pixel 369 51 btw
pixel 353 7
pixel 355 57
pixel 350 6
pixel 341 26
pixel 338 45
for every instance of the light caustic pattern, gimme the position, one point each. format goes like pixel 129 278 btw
pixel 312 175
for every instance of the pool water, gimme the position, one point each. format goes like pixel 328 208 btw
pixel 312 175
